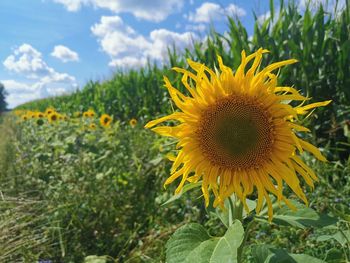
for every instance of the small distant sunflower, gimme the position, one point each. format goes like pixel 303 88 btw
pixel 133 122
pixel 89 114
pixel 24 117
pixel 31 114
pixel 49 110
pixel 92 126
pixel 40 115
pixel 105 120
pixel 53 117
pixel 237 131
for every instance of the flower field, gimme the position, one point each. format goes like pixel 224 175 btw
pixel 83 177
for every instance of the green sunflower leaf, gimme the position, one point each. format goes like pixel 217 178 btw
pixel 268 254
pixel 184 241
pixel 191 243
pixel 303 217
pixel 226 249
pixel 342 237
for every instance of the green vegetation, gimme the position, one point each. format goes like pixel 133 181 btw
pixel 68 192
pixel 3 103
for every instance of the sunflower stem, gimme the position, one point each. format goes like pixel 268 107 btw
pixel 242 246
pixel 237 212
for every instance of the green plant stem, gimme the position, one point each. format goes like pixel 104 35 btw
pixel 246 234
pixel 237 213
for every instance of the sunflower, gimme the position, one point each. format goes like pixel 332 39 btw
pixel 39 114
pixel 92 126
pixel 49 110
pixel 53 117
pixel 105 120
pixel 133 122
pixel 31 114
pixel 24 117
pixel 89 114
pixel 237 132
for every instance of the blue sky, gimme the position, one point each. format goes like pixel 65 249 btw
pixel 51 47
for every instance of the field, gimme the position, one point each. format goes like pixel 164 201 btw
pixel 78 189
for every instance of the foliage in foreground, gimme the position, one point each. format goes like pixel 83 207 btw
pixel 100 187
pixel 99 192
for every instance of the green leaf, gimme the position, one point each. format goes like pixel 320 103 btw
pixel 342 237
pixel 95 259
pixel 184 241
pixel 191 243
pixel 185 189
pixel 260 253
pixel 226 249
pixel 334 255
pixel 203 252
pixel 302 258
pixel 303 217
pixel 268 254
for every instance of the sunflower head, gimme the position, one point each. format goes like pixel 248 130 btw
pixel 133 122
pixel 32 115
pixel 53 117
pixel 89 114
pixel 40 115
pixel 105 120
pixel 49 110
pixel 92 126
pixel 24 117
pixel 237 132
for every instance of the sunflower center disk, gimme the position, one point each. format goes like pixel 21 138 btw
pixel 236 133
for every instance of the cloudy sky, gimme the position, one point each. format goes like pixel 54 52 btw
pixel 51 47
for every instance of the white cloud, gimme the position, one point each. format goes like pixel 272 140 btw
pixel 197 27
pixel 162 39
pixel 42 80
pixel 128 62
pixel 208 12
pixel 117 38
pixel 21 92
pixel 127 48
pixel 64 54
pixel 27 60
pixel 156 11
